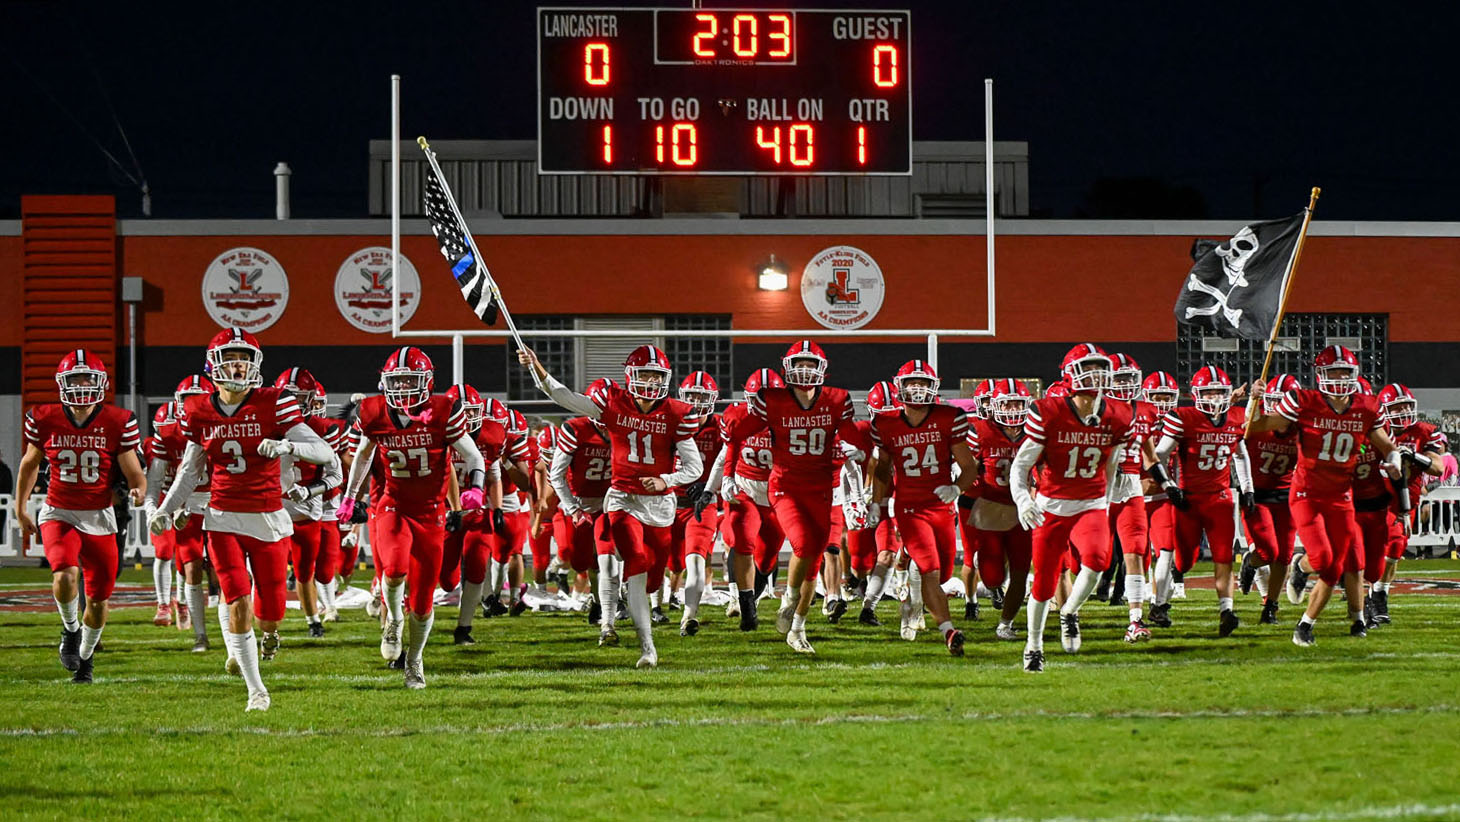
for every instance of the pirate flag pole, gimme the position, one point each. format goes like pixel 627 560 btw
pixel 1253 401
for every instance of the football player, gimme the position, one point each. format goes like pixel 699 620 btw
pixel 648 429
pixel 307 509
pixel 83 441
pixel 1161 391
pixel 1129 520
pixel 755 534
pixel 1270 523
pixel 414 429
pixel 163 545
pixel 1001 542
pixel 237 434
pixel 580 475
pixel 1425 446
pixel 871 546
pixel 327 565
pixel 698 517
pixel 466 548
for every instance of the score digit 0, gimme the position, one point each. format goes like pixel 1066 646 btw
pixel 595 64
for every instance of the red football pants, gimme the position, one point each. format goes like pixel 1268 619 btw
pixel 304 549
pixel 1211 513
pixel 67 547
pixel 542 546
pixel 644 548
pixel 996 548
pixel 234 555
pixel 411 546
pixel 1270 524
pixel 1330 536
pixel 509 544
pixel 755 531
pixel 328 563
pixel 164 545
pixel 693 536
pixel 1087 533
pixel 189 542
pixel 864 544
pixel 805 516
pixel 464 554
pixel 930 535
pixel 1375 529
pixel 1128 519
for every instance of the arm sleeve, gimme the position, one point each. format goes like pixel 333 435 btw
pixel 1164 449
pixel 1024 461
pixel 558 479
pixel 471 456
pixel 691 464
pixel 189 472
pixel 570 399
pixel 1243 466
pixel 156 470
pixel 360 466
pixel 309 446
pixel 716 476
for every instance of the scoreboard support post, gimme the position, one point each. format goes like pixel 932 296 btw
pixel 988 190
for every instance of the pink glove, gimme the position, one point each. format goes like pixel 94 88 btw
pixel 346 509
pixel 471 498
pixel 426 416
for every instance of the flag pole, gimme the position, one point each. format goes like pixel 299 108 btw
pixel 475 252
pixel 1252 402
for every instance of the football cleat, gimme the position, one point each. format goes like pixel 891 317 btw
pixel 689 627
pixel 657 615
pixel 1178 590
pixel 799 643
pixel 231 667
pixel 518 608
pixel 1303 635
pixel 397 664
pixel 608 637
pixel 1248 574
pixel 1137 632
pixel 163 617
pixel 330 615
pixel 1269 614
pixel 1297 582
pixel 1357 629
pixel 462 636
pixel 1034 662
pixel 269 646
pixel 415 674
pixel 390 640
pixel 970 609
pixel 70 649
pixel 869 617
pixel 83 670
pixel 996 595
pixel 783 619
pixel 1381 607
pixel 648 657
pixel 1070 633
pixel 200 646
pixel 1227 623
pixel 749 620
pixel 1160 615
pixel 1370 621
pixel 258 702
pixel 838 609
pixel 733 608
pixel 595 611
pixel 496 606
pixel 316 630
pixel 919 621
pixel 955 642
pixel 1007 632
pixel 907 631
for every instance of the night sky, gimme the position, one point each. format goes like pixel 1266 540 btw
pixel 1158 110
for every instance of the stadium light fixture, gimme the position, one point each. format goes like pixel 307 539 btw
pixel 773 275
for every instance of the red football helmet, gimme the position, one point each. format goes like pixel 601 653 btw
pixel 1086 368
pixel 701 391
pixel 320 401
pixel 917 383
pixel 1399 407
pixel 1365 387
pixel 1337 371
pixel 1277 388
pixel 234 360
pixel 1125 379
pixel 598 391
pixel 1058 390
pixel 166 414
pixel 81 376
pixel 196 384
pixel 516 423
pixel 496 411
pixel 1159 389
pixel 300 383
pixel 471 405
pixel 761 378
pixel 804 365
pixel 982 395
pixel 882 399
pixel 407 378
pixel 1010 402
pixel 647 373
pixel 1211 390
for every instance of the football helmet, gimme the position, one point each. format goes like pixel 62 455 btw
pixel 300 383
pixel 1211 390
pixel 1365 387
pixel 804 365
pixel 1125 378
pixel 81 376
pixel 1087 369
pixel 516 423
pixel 647 372
pixel 496 411
pixel 981 398
pixel 1057 390
pixel 234 360
pixel 471 405
pixel 1159 389
pixel 166 414
pixel 761 378
pixel 1277 388
pixel 196 384
pixel 1010 402
pixel 320 402
pixel 882 399
pixel 407 377
pixel 598 391
pixel 701 391
pixel 1337 371
pixel 917 383
pixel 1398 405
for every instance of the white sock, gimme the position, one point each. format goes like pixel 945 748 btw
pixel 223 624
pixel 162 580
pixel 875 583
pixel 1038 611
pixel 1381 587
pixel 89 637
pixel 945 627
pixel 787 599
pixel 68 612
pixel 638 593
pixel 914 588
pixel 496 576
pixel 245 649
pixel 395 596
pixel 607 589
pixel 656 599
pixel 197 596
pixel 419 630
pixel 1353 616
pixel 179 581
pixel 798 622
pixel 1305 619
pixel 734 591
pixel 1162 580
pixel 1085 583
pixel 1224 604
pixel 694 585
pixel 471 598
pixel 325 595
pixel 312 619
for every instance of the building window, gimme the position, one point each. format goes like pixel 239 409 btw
pixel 1300 338
pixel 557 355
pixel 711 354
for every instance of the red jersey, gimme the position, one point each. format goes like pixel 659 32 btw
pixel 1075 452
pixel 1420 437
pixel 589 473
pixel 1203 447
pixel 338 438
pixel 644 441
pixel 1144 422
pixel 1370 482
pixel 308 471
pixel 749 444
pixel 922 454
pixel 803 439
pixel 709 441
pixel 1273 455
pixel 415 453
pixel 994 449
pixel 1328 445
pixel 82 457
pixel 243 480
pixel 494 442
pixel 377 464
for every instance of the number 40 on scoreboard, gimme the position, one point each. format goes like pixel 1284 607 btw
pixel 724 91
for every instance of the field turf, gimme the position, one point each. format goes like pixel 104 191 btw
pixel 537 722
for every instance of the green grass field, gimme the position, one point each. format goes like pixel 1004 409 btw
pixel 537 722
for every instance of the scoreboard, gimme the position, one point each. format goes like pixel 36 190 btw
pixel 723 91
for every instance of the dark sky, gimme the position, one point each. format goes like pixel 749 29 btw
pixel 1172 109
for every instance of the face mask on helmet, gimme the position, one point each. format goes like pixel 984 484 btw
pixel 806 372
pixel 648 382
pixel 1125 383
pixel 1212 399
pixel 1401 413
pixel 236 368
pixel 405 389
pixel 472 413
pixel 917 389
pixel 82 386
pixel 702 399
pixel 1338 380
pixel 1089 374
pixel 1010 409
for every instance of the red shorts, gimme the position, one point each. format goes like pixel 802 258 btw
pixel 1270 525
pixel 1330 535
pixel 411 547
pixel 1375 530
pixel 164 545
pixel 1398 540
pixel 541 545
pixel 969 535
pixel 1211 513
pixel 838 527
pixel 234 556
pixel 1014 547
pixel 755 531
pixel 304 549
pixel 327 565
pixel 805 516
pixel 693 536
pixel 508 545
pixel 348 556
pixel 586 543
pixel 464 554
pixel 930 535
pixel 67 547
pixel 188 543
pixel 1161 518
pixel 644 548
pixel 1128 519
pixel 1087 533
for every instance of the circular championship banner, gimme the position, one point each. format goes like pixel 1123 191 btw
pixel 842 287
pixel 362 289
pixel 245 288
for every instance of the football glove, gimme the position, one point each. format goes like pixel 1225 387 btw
pixel 453 521
pixel 1031 516
pixel 1177 497
pixel 159 523
pixel 946 493
pixel 471 498
pixel 297 493
pixel 275 448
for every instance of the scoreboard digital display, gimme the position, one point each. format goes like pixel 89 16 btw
pixel 723 91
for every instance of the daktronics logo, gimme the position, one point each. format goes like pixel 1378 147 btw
pixel 363 287
pixel 245 288
pixel 842 287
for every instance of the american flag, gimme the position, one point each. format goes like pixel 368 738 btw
pixel 472 277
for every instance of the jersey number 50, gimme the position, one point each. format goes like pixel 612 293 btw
pixel 807 441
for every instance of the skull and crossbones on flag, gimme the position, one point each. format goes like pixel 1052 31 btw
pixel 1235 286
